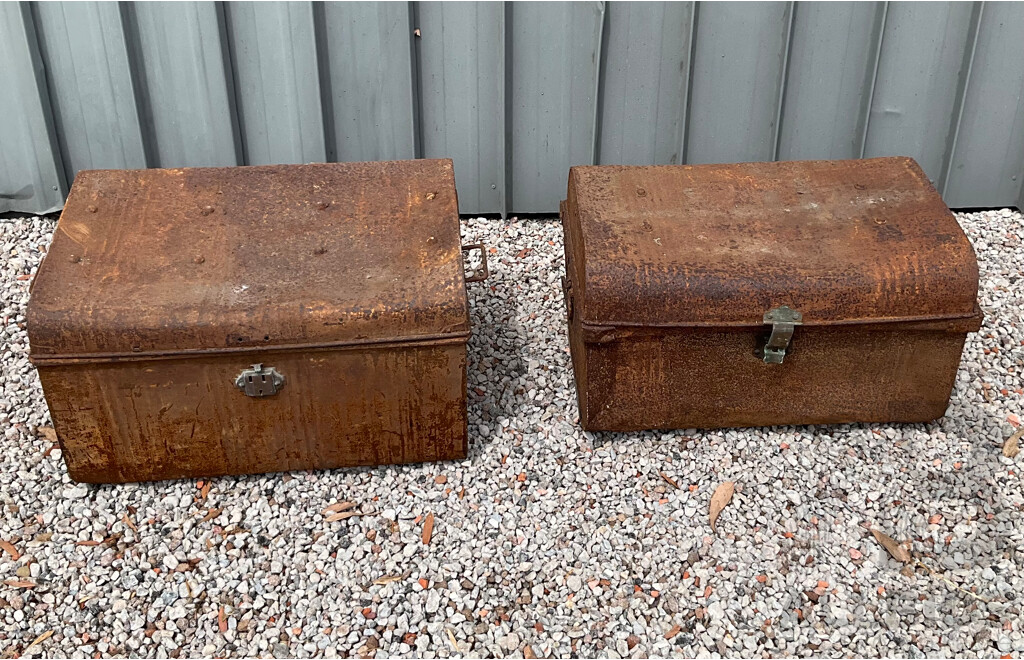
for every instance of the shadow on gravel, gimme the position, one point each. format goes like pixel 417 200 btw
pixel 496 350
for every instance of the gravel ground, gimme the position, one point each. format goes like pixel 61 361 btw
pixel 547 541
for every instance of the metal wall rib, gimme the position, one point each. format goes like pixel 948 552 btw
pixel 515 93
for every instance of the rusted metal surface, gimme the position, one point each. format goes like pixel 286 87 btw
pixel 672 272
pixel 162 287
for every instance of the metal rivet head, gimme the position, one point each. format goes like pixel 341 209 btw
pixel 200 259
pixel 91 208
pixel 640 192
pixel 75 259
pixel 879 221
pixel 322 205
pixel 207 210
pixel 431 195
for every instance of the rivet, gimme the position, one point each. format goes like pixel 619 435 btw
pixel 640 192
pixel 431 195
pixel 879 221
pixel 91 208
pixel 207 210
pixel 75 259
pixel 322 205
pixel 200 259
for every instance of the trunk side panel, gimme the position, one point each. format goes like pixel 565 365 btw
pixel 165 419
pixel 573 278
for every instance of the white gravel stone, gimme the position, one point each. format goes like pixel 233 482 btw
pixel 568 542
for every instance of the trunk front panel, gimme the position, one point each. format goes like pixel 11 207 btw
pixel 709 378
pixel 169 418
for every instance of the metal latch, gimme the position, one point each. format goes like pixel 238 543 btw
pixel 783 320
pixel 259 381
pixel 480 274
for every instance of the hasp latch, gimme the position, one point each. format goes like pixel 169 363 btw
pixel 259 381
pixel 783 321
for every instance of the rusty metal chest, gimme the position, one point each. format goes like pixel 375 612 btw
pixel 235 320
pixel 764 293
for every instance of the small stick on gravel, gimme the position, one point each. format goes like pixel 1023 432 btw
pixel 37 641
pixel 950 583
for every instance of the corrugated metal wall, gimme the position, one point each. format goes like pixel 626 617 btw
pixel 514 92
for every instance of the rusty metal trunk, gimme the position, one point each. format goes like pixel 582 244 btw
pixel 207 321
pixel 764 293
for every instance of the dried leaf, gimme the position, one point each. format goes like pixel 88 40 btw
pixel 896 550
pixel 37 641
pixel 10 549
pixel 339 506
pixel 211 514
pixel 672 633
pixel 522 253
pixel 128 521
pixel 428 528
pixel 719 499
pixel 88 543
pixel 21 584
pixel 334 517
pixel 451 638
pixel 388 579
pixel 204 491
pixel 48 433
pixel 669 481
pixel 1012 445
pixel 528 652
pixel 222 620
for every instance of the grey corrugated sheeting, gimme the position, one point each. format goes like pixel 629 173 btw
pixel 462 95
pixel 515 93
pixel 30 168
pixel 277 81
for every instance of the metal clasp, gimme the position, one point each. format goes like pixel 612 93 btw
pixel 480 274
pixel 259 381
pixel 783 320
